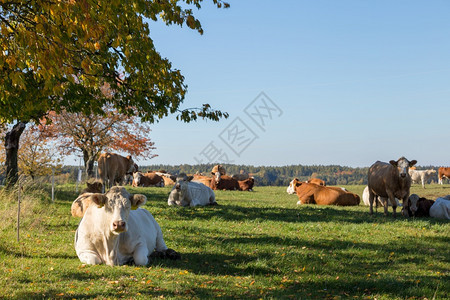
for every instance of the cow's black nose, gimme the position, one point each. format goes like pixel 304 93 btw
pixel 403 175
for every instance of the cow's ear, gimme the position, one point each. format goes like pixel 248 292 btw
pixel 129 157
pixel 412 163
pixel 137 200
pixel 99 199
pixel 393 162
pixel 173 177
pixel 190 178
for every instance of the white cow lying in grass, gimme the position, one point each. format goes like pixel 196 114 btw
pixel 441 208
pixel 188 193
pixel 111 232
pixel 366 201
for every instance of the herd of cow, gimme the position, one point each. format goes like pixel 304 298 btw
pixel 113 229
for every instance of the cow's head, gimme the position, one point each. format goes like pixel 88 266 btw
pixel 217 171
pixel 94 187
pixel 137 178
pixel 412 205
pixel 117 203
pixel 291 187
pixel 181 179
pixel 131 166
pixel 403 165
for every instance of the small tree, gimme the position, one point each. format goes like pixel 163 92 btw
pixel 92 134
pixel 37 156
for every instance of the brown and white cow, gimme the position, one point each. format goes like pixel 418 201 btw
pixel 202 179
pixel 218 169
pixel 114 231
pixel 310 193
pixel 417 207
pixel 389 181
pixel 247 184
pixel 443 172
pixel 224 182
pixel 168 178
pixel 147 179
pixel 317 181
pixel 112 168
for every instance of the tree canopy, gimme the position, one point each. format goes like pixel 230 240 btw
pixel 64 51
pixel 57 56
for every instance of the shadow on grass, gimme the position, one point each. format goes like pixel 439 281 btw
pixel 306 214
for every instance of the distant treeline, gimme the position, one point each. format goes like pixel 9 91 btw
pixel 281 176
pixel 264 175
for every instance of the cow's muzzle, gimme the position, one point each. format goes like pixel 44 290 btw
pixel 403 175
pixel 119 226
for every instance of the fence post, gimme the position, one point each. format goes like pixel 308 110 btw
pixel 18 212
pixel 53 185
pixel 80 174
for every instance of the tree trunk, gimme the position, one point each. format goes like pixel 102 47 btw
pixel 88 164
pixel 12 147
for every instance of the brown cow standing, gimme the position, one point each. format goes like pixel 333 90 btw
pixel 310 193
pixel 389 181
pixel 443 172
pixel 113 167
pixel 224 182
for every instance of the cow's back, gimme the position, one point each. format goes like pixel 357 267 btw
pixel 443 171
pixel 329 196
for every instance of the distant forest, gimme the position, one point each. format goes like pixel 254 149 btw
pixel 264 175
pixel 281 176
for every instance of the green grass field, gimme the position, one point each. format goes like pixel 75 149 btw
pixel 253 245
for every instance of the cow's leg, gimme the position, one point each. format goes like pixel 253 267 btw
pixel 371 198
pixel 423 181
pixel 140 255
pixel 439 180
pixel 89 258
pixel 391 199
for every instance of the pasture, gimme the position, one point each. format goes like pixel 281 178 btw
pixel 253 245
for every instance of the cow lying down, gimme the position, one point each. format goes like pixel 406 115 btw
pixel 441 208
pixel 310 193
pixel 189 193
pixel 114 231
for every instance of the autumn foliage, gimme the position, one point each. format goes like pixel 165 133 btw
pixel 89 135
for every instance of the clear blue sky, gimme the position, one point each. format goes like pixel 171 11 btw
pixel 354 81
